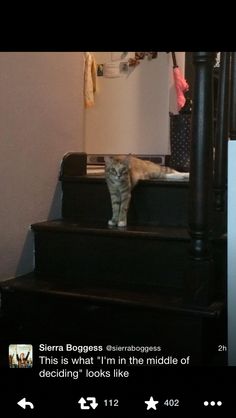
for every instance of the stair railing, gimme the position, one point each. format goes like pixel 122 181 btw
pixel 199 276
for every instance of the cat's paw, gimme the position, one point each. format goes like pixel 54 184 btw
pixel 111 222
pixel 122 224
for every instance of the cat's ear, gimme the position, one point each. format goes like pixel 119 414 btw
pixel 127 160
pixel 108 160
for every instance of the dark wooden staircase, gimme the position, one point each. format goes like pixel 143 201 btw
pixel 118 285
pixel 160 281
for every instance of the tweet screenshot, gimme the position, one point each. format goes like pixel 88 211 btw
pixel 117 271
pixel 108 361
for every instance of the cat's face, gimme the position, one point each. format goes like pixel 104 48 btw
pixel 116 168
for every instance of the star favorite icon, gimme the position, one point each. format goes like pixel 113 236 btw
pixel 151 404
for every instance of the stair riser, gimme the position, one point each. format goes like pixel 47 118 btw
pixel 84 258
pixel 151 204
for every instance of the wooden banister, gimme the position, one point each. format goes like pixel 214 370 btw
pixel 198 284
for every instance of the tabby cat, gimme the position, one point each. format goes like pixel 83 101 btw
pixel 122 173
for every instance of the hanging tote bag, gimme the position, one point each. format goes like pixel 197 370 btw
pixel 180 141
pixel 180 124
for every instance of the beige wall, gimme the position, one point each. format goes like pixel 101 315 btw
pixel 131 113
pixel 41 118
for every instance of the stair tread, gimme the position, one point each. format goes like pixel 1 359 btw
pixel 61 225
pixel 100 178
pixel 139 298
pixel 153 232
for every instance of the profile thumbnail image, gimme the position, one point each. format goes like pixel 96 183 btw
pixel 20 356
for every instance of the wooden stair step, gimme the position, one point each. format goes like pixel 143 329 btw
pixel 153 202
pixel 38 307
pixel 95 253
pixel 77 227
pixel 155 300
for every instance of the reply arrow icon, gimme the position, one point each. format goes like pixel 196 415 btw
pixel 23 403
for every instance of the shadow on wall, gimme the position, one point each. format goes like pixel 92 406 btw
pixel 26 260
pixel 55 209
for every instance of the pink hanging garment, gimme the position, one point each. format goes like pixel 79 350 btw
pixel 181 87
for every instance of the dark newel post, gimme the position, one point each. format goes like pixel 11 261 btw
pixel 198 283
pixel 233 98
pixel 222 132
